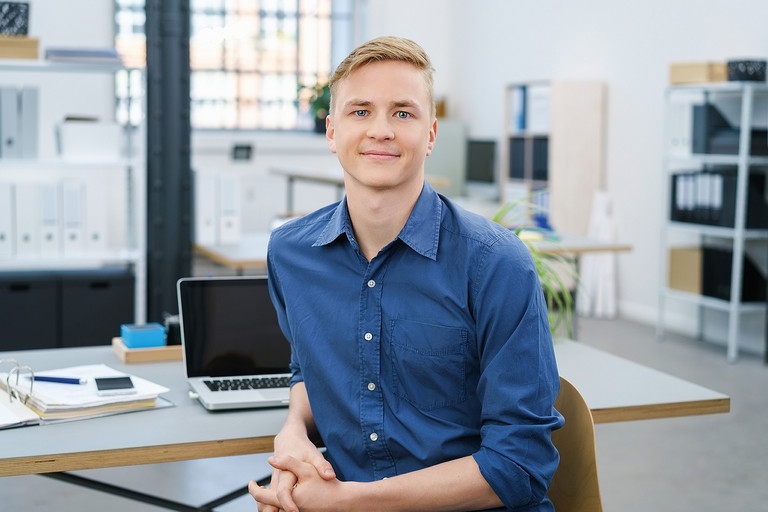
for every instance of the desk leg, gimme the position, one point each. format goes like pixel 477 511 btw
pixel 147 498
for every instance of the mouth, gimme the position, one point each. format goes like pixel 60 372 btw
pixel 376 154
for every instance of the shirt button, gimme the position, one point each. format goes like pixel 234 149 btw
pixel 371 283
pixel 368 336
pixel 371 386
pixel 374 436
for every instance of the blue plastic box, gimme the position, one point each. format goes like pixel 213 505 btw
pixel 143 336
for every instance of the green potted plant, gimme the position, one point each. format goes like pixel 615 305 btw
pixel 554 270
pixel 319 104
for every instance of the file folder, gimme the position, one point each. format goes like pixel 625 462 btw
pixel 27 219
pixel 9 123
pixel 96 215
pixel 206 217
pixel 50 228
pixel 28 122
pixel 72 206
pixel 7 231
pixel 229 209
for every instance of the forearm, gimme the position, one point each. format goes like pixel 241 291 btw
pixel 450 486
pixel 299 417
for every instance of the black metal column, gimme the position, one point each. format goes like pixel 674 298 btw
pixel 169 230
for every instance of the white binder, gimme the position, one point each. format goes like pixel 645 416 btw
pixel 206 218
pixel 72 216
pixel 27 203
pixel 229 209
pixel 50 227
pixel 9 123
pixel 28 121
pixel 96 215
pixel 7 231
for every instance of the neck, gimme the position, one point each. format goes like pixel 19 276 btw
pixel 378 216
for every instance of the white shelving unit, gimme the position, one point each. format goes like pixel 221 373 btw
pixel 750 99
pixel 131 251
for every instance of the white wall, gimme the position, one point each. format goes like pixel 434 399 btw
pixel 480 46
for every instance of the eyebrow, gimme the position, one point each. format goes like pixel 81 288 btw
pixel 394 104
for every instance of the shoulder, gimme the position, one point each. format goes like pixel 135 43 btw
pixel 480 231
pixel 302 229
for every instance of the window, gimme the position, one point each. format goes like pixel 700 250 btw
pixel 249 59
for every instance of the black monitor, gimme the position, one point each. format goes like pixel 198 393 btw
pixel 481 160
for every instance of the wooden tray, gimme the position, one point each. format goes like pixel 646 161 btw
pixel 145 355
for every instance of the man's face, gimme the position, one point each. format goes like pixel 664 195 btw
pixel 381 128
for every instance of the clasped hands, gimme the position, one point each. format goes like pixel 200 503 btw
pixel 302 481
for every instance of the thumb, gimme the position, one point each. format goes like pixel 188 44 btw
pixel 323 467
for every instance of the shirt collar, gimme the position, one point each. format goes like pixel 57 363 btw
pixel 421 231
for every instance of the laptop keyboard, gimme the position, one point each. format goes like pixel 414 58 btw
pixel 241 384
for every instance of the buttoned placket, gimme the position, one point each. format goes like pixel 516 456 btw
pixel 371 400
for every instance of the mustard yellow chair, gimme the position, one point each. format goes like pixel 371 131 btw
pixel 575 485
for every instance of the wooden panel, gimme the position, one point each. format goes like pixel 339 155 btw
pixel 576 153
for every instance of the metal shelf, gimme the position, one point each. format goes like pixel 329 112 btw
pixel 738 234
pixel 713 302
pixel 717 231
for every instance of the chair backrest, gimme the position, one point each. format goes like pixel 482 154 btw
pixel 575 487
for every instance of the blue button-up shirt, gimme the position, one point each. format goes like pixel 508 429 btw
pixel 436 349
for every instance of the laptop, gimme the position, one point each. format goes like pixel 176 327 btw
pixel 235 355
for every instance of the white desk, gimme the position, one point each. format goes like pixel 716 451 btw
pixel 615 389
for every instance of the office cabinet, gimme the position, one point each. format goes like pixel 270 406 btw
pixel 29 310
pixel 94 303
pixel 78 210
pixel 715 188
pixel 52 309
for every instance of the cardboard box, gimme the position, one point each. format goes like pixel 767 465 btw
pixel 697 72
pixel 685 266
pixel 19 47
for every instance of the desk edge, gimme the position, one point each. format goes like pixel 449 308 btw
pixel 133 456
pixel 656 411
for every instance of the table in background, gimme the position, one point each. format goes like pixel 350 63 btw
pixel 251 250
pixel 333 177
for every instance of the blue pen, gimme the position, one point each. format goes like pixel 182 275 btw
pixel 60 380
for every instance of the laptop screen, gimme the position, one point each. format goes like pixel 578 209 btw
pixel 229 328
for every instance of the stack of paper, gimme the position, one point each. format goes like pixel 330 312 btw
pixel 53 401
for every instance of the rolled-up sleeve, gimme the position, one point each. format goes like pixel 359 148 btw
pixel 519 379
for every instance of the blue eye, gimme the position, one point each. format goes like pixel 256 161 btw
pixel 360 113
pixel 403 115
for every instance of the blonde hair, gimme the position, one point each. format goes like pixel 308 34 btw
pixel 381 49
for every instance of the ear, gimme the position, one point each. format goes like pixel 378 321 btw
pixel 330 134
pixel 432 137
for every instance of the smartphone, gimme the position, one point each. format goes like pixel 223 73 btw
pixel 107 386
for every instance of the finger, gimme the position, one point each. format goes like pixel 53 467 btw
pixel 266 498
pixel 284 491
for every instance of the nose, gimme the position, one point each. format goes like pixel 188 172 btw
pixel 380 128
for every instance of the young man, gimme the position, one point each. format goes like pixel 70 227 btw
pixel 421 352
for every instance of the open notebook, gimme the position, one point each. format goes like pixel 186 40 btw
pixel 23 402
pixel 235 354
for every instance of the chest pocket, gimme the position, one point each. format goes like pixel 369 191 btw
pixel 429 364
